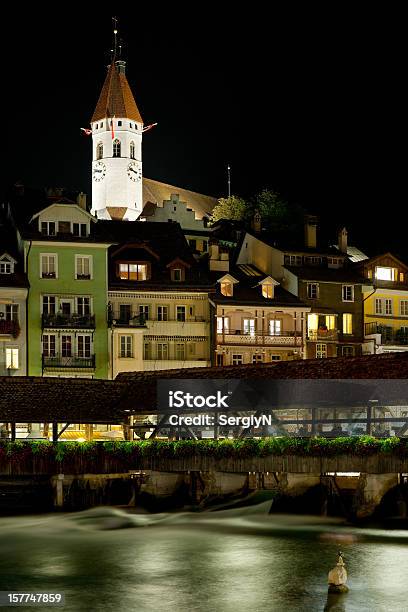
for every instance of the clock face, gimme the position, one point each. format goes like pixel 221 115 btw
pixel 134 172
pixel 99 171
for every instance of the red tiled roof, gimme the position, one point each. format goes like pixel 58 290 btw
pixel 116 99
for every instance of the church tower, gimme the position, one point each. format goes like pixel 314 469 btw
pixel 117 128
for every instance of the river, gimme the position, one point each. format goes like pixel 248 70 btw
pixel 241 560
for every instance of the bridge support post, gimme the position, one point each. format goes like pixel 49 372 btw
pixel 371 489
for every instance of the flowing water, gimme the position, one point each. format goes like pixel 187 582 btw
pixel 229 561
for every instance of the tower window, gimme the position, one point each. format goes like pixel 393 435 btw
pixel 99 151
pixel 132 150
pixel 119 123
pixel 131 126
pixel 116 148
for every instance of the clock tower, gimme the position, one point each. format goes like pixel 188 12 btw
pixel 117 128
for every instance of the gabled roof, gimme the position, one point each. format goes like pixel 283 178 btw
pixel 116 98
pixel 8 257
pixel 155 193
pixel 63 204
pixel 372 260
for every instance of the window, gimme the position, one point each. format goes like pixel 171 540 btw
pixel 64 227
pixel 312 291
pixel 180 351
pixel 257 358
pixel 116 148
pixel 378 306
pixel 388 307
pixel 146 350
pixel 313 261
pixel 193 244
pixel 130 271
pixel 220 359
pixel 131 126
pixel 237 360
pixel 347 351
pixel 83 267
pixel 125 346
pixel 348 293
pixel 48 265
pixel 48 228
pixel 249 327
pixel 275 357
pixel 321 351
pixel 162 313
pixel 222 325
pixel 293 260
pixel 162 351
pixel 404 308
pixel 347 323
pixel 99 151
pixel 226 289
pixel 124 313
pixel 267 291
pixel 132 150
pixel 66 346
pixel 79 229
pixel 180 313
pixel 12 358
pixel 386 274
pixel 11 312
pixel 176 274
pixel 84 346
pixel 49 345
pixel 275 327
pixel 144 312
pixel 6 267
pixel 401 277
pixel 48 304
pixel 333 262
pixel 84 305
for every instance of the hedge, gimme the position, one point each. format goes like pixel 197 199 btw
pixel 239 448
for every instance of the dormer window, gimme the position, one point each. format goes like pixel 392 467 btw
pixel 227 288
pixel 6 265
pixel 267 291
pixel 79 229
pixel 133 271
pixel 132 150
pixel 48 228
pixel 386 274
pixel 176 274
pixel 99 151
pixel 116 148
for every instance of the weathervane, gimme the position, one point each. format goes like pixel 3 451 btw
pixel 229 180
pixel 115 37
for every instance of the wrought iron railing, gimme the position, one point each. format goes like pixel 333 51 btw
pixel 73 320
pixel 72 361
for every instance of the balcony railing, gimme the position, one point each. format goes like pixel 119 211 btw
pixel 73 361
pixel 238 337
pixel 9 328
pixel 73 320
pixel 323 335
pixel 388 334
pixel 135 319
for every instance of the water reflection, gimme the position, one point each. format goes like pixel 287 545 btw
pixel 232 561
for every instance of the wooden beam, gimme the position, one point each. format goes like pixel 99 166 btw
pixel 54 431
pixel 13 431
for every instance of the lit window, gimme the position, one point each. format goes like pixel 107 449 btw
pixel 180 313
pixel 132 150
pixel 99 151
pixel 125 349
pixel 386 274
pixel 48 228
pixel 48 265
pixel 237 360
pixel 83 264
pixel 137 272
pixel 312 291
pixel 12 358
pixel 249 327
pixel 222 325
pixel 267 291
pixel 79 229
pixel 116 148
pixel 401 277
pixel 348 293
pixel 347 323
pixel 226 289
pixel 321 351
pixel 275 327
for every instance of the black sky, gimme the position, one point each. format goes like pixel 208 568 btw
pixel 308 102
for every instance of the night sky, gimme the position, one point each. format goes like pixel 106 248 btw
pixel 306 102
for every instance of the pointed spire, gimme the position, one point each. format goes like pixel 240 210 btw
pixel 116 99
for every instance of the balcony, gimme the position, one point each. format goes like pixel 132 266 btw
pixel 9 328
pixel 57 362
pixel 323 335
pixel 388 334
pixel 68 321
pixel 130 319
pixel 238 338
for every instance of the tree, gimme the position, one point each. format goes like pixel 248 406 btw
pixel 277 214
pixel 233 208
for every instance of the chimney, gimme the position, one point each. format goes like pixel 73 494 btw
pixel 310 231
pixel 342 240
pixel 256 222
pixel 81 200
